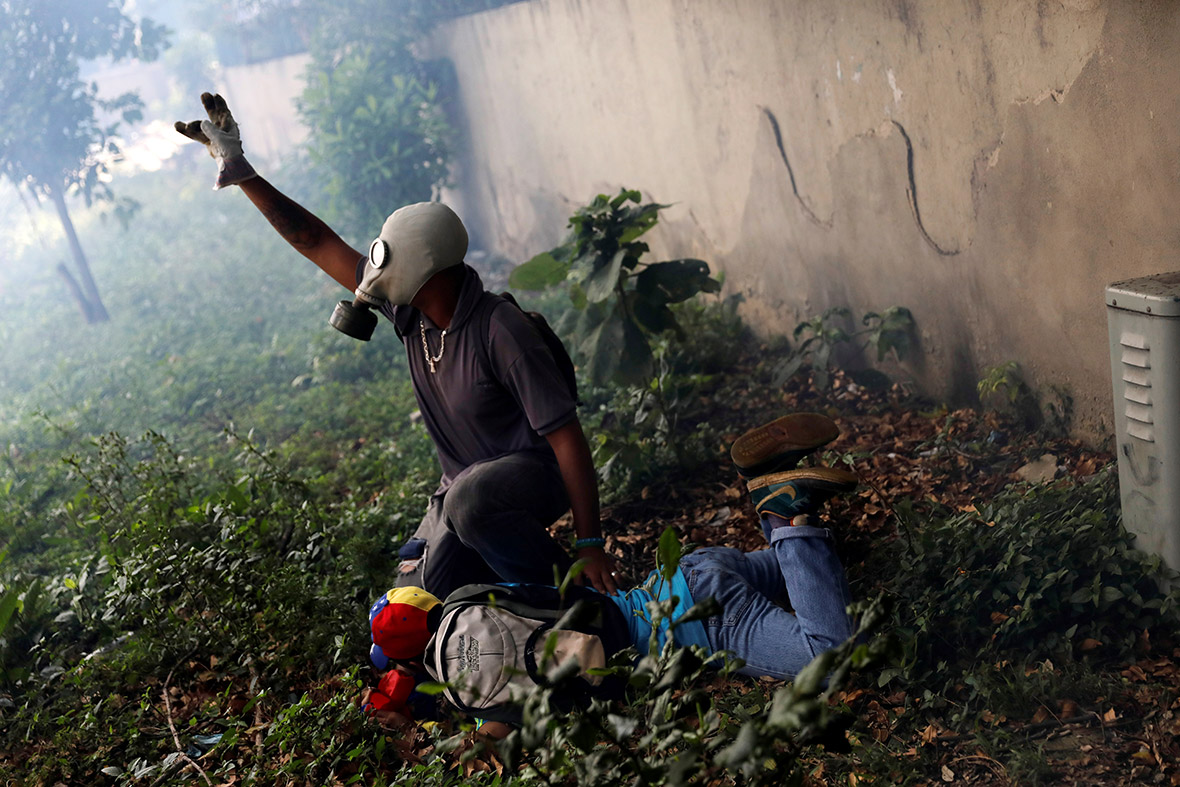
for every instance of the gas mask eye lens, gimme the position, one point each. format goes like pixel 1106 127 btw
pixel 378 253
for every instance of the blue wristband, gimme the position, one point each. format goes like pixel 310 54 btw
pixel 583 543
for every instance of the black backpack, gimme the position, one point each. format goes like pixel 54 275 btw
pixel 565 364
pixel 491 644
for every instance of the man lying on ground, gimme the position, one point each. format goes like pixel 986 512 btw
pixel 475 642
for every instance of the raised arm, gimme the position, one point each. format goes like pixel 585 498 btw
pixel 310 236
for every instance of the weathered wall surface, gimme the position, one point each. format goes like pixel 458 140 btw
pixel 990 165
pixel 262 96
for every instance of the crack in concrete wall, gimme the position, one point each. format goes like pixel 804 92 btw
pixel 778 139
pixel 911 190
pixel 912 193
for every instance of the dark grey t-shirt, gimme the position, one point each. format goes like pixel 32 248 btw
pixel 474 413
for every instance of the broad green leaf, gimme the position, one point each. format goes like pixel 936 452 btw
pixel 1110 595
pixel 601 282
pixel 539 273
pixel 634 367
pixel 668 553
pixel 9 604
pixel 602 348
pixel 624 196
pixel 1081 596
pixel 640 220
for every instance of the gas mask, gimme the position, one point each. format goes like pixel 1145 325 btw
pixel 415 243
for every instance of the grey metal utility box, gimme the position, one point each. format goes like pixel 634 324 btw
pixel 1143 318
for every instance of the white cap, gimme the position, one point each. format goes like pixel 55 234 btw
pixel 415 243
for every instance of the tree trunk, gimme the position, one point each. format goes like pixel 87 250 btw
pixel 76 292
pixel 83 288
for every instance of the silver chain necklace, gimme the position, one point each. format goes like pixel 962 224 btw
pixel 442 347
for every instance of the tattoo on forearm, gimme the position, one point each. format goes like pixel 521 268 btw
pixel 295 224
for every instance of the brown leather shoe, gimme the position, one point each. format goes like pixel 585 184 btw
pixel 780 444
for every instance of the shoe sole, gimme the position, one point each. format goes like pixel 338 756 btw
pixel 788 438
pixel 825 479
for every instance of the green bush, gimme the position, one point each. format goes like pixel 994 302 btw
pixel 620 301
pixel 890 332
pixel 1037 574
pixel 377 128
pixel 641 432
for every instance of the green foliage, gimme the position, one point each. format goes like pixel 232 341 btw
pixel 638 433
pixel 1004 387
pixel 174 557
pixel 620 301
pixel 56 134
pixel 889 332
pixel 342 742
pixel 379 131
pixel 984 597
pixel 274 27
pixel 376 114
pixel 189 558
pixel 51 134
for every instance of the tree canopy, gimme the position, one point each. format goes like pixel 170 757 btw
pixel 52 129
pixel 56 133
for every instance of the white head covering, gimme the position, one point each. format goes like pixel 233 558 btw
pixel 415 243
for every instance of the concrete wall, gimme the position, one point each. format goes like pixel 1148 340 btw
pixel 992 165
pixel 262 97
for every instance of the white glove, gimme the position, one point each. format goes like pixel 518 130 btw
pixel 220 135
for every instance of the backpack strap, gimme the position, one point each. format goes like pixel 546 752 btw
pixel 549 338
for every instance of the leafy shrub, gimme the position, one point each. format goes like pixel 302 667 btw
pixel 247 563
pixel 887 332
pixel 641 431
pixel 1043 574
pixel 1003 388
pixel 379 132
pixel 619 300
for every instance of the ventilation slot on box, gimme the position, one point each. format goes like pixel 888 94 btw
pixel 1136 358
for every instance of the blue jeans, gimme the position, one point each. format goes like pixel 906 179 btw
pixel 773 642
pixel 490 525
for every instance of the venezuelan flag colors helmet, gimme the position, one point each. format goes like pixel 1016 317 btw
pixel 397 622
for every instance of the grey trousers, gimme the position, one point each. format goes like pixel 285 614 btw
pixel 491 525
